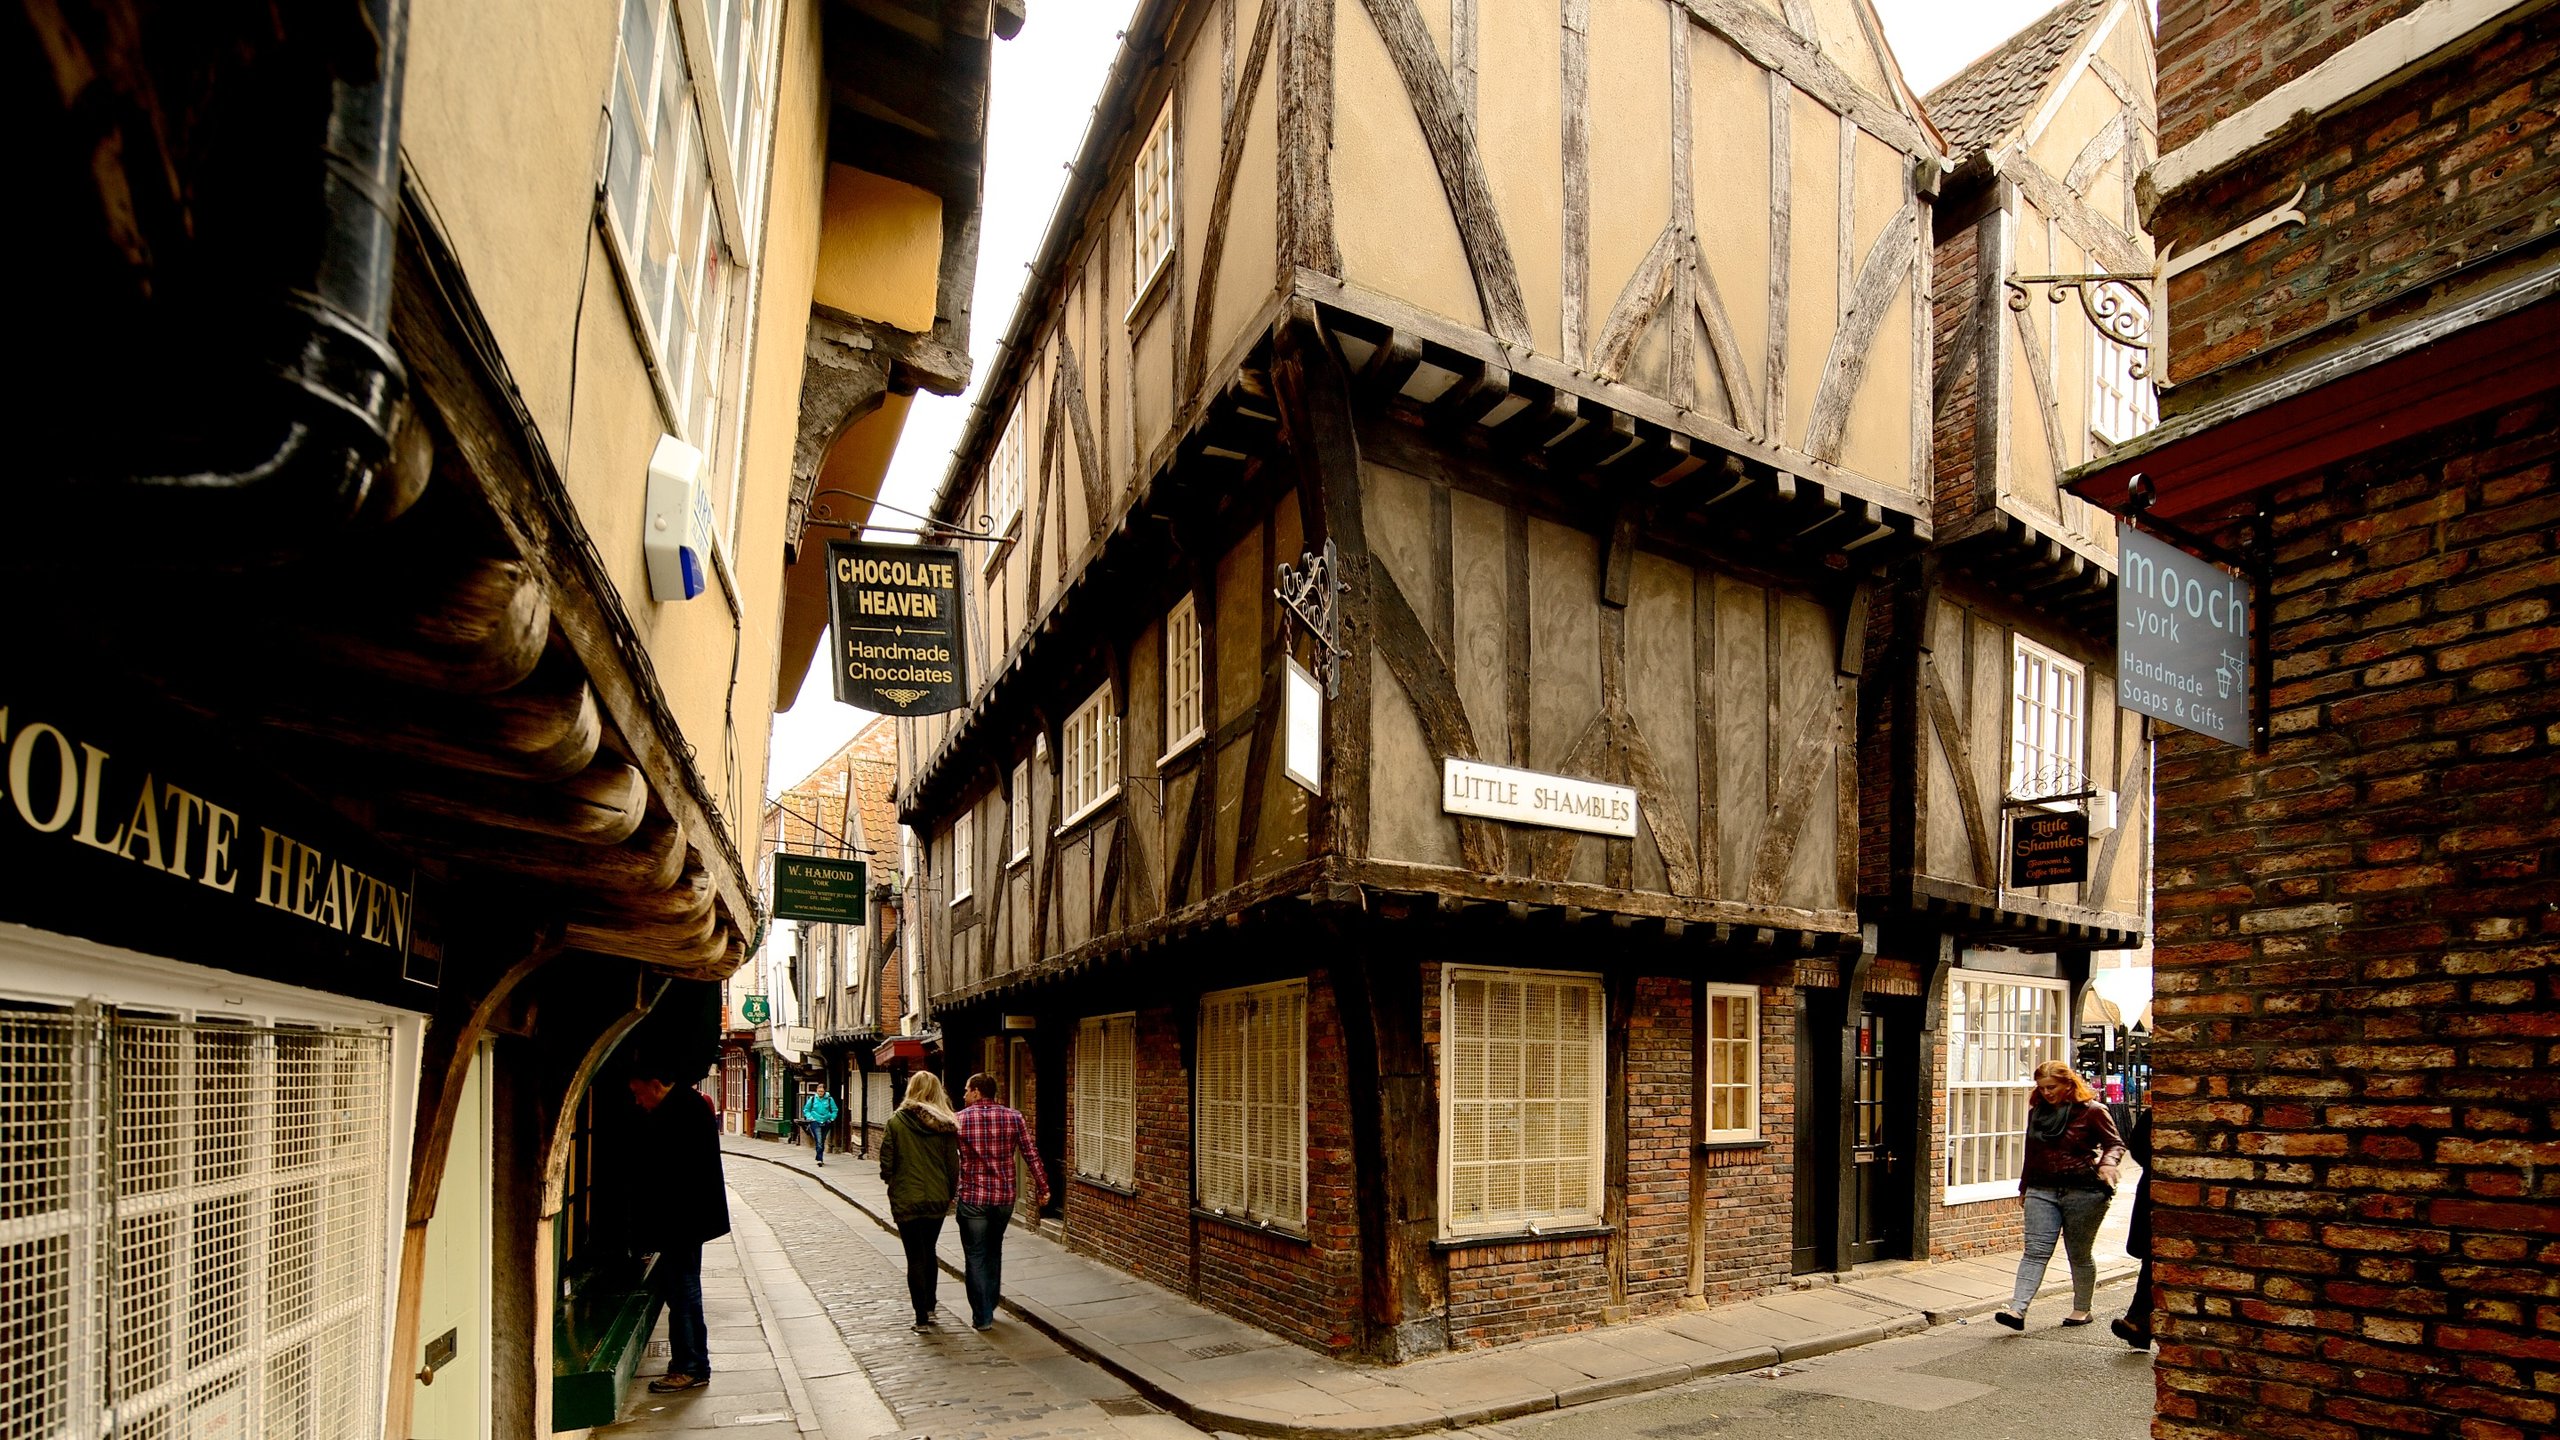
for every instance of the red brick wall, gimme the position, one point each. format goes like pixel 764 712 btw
pixel 1661 1138
pixel 2438 172
pixel 2358 1190
pixel 1952 300
pixel 1502 1293
pixel 1750 1194
pixel 1307 1289
pixel 1147 1234
pixel 2217 56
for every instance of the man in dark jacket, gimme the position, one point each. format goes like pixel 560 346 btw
pixel 2134 1326
pixel 680 1135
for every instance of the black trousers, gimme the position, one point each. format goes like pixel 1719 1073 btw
pixel 2137 1308
pixel 920 1236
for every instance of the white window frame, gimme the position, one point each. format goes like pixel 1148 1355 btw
pixel 1007 475
pixel 1151 213
pixel 2121 407
pixel 1019 814
pixel 1587 992
pixel 1107 1098
pixel 1264 1179
pixel 1748 1048
pixel 1996 1037
pixel 964 847
pixel 1089 757
pixel 697 128
pixel 1185 716
pixel 2048 721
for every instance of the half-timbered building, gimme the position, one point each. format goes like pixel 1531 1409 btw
pixel 1586 345
pixel 1994 686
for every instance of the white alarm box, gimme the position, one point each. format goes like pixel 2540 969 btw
pixel 2102 812
pixel 677 537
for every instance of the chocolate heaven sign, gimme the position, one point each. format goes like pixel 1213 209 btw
pixel 897 636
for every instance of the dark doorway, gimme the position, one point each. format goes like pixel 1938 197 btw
pixel 1818 1019
pixel 1883 1103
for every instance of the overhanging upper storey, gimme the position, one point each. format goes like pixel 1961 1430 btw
pixel 1694 232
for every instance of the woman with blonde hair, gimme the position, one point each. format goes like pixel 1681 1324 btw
pixel 2069 1176
pixel 920 1163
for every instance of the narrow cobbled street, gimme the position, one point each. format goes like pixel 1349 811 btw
pixel 1008 1383
pixel 1967 1381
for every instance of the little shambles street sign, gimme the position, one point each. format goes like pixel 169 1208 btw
pixel 2182 639
pixel 896 616
pixel 1528 797
pixel 2048 847
pixel 820 888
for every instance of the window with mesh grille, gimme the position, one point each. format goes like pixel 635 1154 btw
pixel 191 1225
pixel 1249 1112
pixel 1152 203
pixel 1107 1098
pixel 1521 1114
pixel 1999 1029
pixel 1733 1063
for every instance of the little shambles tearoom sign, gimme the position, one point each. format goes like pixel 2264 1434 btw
pixel 895 610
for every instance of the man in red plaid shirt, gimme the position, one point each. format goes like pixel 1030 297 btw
pixel 992 1133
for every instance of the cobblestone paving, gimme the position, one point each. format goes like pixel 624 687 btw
pixel 952 1383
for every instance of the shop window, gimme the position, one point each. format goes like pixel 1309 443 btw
pixel 2048 712
pixel 1152 204
pixel 1523 1086
pixel 1999 1029
pixel 1733 1064
pixel 1107 1099
pixel 1182 710
pixel 192 1222
pixel 1089 757
pixel 1250 1111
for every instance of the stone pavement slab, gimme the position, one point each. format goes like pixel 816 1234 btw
pixel 1219 1373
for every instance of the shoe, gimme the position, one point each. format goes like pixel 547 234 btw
pixel 669 1384
pixel 921 1326
pixel 2010 1318
pixel 2129 1333
pixel 2071 1320
pixel 982 1324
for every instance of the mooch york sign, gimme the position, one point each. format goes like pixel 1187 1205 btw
pixel 2182 638
pixel 896 616
pixel 1529 797
pixel 819 887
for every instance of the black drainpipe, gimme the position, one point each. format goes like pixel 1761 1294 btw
pixel 292 462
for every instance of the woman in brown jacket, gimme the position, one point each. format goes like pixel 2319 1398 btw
pixel 2069 1176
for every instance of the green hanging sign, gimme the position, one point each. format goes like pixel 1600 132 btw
pixel 819 887
pixel 755 1010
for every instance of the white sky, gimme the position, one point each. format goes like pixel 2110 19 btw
pixel 1044 87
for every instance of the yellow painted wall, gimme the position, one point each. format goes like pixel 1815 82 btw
pixel 880 252
pixel 455 1295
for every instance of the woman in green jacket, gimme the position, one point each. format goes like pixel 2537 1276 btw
pixel 920 1163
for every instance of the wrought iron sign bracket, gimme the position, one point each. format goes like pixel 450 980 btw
pixel 931 529
pixel 1311 591
pixel 2143 327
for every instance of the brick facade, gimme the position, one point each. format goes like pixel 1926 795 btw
pixel 2359 970
pixel 1305 1287
pixel 1749 1193
pixel 2441 171
pixel 2219 56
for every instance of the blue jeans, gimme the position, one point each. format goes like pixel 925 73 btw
pixel 2071 1216
pixel 982 1230
pixel 817 1139
pixel 678 1280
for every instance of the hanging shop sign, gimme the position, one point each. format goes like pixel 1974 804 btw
pixel 2182 638
pixel 897 637
pixel 129 826
pixel 1528 797
pixel 755 1010
pixel 1302 729
pixel 2048 847
pixel 819 887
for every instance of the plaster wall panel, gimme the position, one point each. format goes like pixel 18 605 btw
pixel 1389 212
pixel 1729 158
pixel 1520 126
pixel 1813 256
pixel 1481 594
